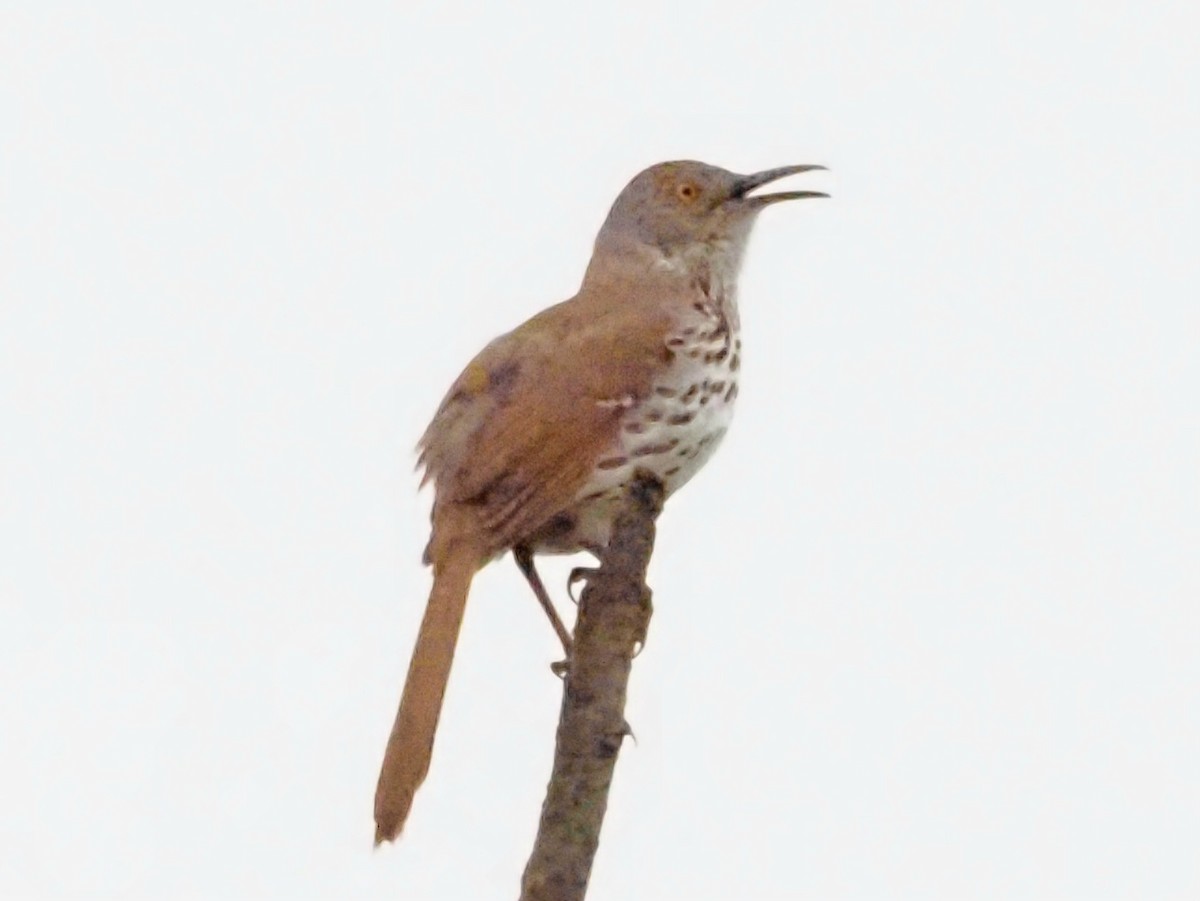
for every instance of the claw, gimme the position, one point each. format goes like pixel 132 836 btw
pixel 579 574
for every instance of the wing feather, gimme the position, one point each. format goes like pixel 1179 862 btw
pixel 521 429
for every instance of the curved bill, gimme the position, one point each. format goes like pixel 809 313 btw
pixel 748 183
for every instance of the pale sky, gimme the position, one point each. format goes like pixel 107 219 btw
pixel 927 625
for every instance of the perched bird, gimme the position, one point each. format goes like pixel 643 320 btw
pixel 533 443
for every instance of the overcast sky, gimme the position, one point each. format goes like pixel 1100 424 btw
pixel 927 625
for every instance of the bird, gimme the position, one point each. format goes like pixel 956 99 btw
pixel 533 443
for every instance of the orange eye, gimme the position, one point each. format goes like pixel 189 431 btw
pixel 687 192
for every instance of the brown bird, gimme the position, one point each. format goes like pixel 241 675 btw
pixel 533 443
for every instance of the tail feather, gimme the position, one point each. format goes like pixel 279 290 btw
pixel 406 760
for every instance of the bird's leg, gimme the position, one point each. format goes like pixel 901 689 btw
pixel 524 557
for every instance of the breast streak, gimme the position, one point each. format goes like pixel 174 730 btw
pixel 689 408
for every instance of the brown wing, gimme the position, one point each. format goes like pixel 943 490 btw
pixel 521 429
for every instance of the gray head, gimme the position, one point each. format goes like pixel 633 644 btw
pixel 672 206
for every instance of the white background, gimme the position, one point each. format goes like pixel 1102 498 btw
pixel 926 627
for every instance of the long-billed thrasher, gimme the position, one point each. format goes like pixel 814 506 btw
pixel 531 447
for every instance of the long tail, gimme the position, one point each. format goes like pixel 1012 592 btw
pixel 406 760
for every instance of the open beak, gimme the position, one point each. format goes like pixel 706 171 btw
pixel 747 183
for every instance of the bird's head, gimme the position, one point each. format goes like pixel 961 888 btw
pixel 676 206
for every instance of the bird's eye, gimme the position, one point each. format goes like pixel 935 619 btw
pixel 687 192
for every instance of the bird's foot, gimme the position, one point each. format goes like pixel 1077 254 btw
pixel 579 574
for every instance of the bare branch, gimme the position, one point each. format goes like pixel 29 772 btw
pixel 614 614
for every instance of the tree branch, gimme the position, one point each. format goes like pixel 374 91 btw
pixel 614 613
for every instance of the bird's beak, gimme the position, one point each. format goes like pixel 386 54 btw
pixel 747 183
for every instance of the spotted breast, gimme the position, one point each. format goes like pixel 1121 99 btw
pixel 677 427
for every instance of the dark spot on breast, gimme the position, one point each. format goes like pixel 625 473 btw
pixel 654 416
pixel 705 399
pixel 675 342
pixel 700 308
pixel 664 391
pixel 612 462
pixel 672 471
pixel 716 356
pixel 689 331
pixel 690 393
pixel 736 363
pixel 723 322
pixel 694 354
pixel 662 447
pixel 732 392
pixel 681 418
pixel 715 387
pixel 594 496
pixel 635 428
